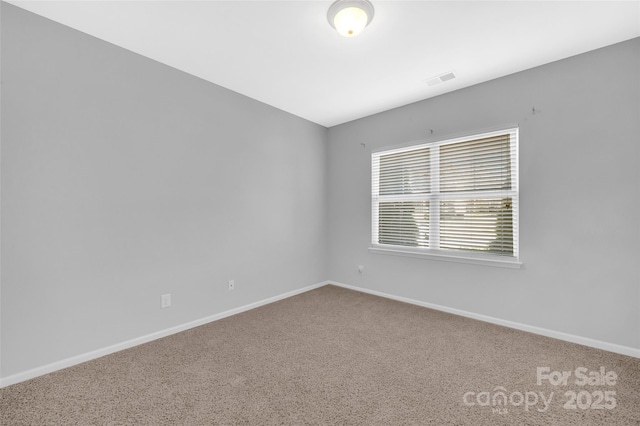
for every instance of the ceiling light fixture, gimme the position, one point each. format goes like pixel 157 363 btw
pixel 350 17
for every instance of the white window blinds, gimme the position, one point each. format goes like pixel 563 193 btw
pixel 457 196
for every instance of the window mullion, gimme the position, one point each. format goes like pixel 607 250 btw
pixel 434 199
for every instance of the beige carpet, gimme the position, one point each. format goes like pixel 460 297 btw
pixel 333 356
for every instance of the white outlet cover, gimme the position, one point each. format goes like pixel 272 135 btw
pixel 165 300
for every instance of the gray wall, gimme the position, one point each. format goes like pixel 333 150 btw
pixel 123 179
pixel 580 198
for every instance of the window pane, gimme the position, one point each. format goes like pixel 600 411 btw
pixel 476 165
pixel 405 173
pixel 404 223
pixel 478 225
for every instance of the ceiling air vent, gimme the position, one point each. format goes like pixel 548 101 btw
pixel 440 79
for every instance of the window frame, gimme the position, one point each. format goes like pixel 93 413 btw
pixel 435 198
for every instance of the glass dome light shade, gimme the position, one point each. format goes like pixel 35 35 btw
pixel 350 21
pixel 350 17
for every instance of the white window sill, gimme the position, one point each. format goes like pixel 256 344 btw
pixel 495 261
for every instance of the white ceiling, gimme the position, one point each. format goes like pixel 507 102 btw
pixel 284 53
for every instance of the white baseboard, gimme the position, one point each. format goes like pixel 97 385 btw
pixel 598 344
pixel 69 362
pixel 88 356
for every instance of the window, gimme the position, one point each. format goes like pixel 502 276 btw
pixel 456 199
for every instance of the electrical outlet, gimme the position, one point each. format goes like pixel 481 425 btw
pixel 165 300
pixel 232 285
